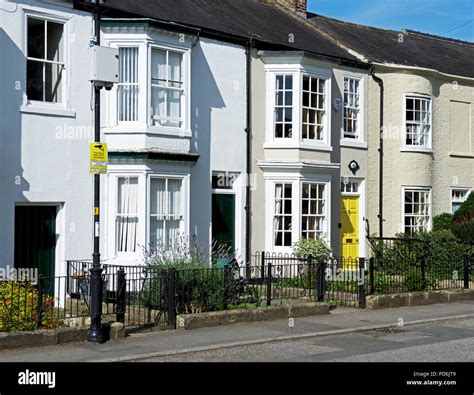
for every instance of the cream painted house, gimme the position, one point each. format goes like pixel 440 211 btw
pixel 428 141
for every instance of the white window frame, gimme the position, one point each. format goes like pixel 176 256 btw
pixel 144 123
pixel 430 202
pixel 419 148
pixel 65 83
pixel 184 227
pixel 451 190
pixel 297 182
pixel 361 118
pixel 297 141
pixel 137 215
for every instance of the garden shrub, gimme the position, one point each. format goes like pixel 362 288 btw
pixel 463 220
pixel 443 222
pixel 316 248
pixel 199 287
pixel 18 308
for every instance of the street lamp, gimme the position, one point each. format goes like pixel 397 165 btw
pixel 96 333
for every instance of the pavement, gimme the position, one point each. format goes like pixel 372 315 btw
pixel 343 335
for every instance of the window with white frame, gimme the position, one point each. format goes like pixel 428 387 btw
pixel 45 60
pixel 458 197
pixel 127 218
pixel 313 212
pixel 283 215
pixel 418 122
pixel 167 87
pixel 166 211
pixel 352 107
pixel 417 210
pixel 128 86
pixel 349 186
pixel 314 108
pixel 283 112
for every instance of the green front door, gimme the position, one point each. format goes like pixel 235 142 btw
pixel 223 221
pixel 35 238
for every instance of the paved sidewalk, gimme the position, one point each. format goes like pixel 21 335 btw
pixel 142 346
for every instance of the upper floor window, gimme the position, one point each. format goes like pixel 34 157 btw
pixel 417 210
pixel 418 122
pixel 352 107
pixel 283 125
pixel 128 86
pixel 45 60
pixel 314 108
pixel 153 93
pixel 458 197
pixel 298 110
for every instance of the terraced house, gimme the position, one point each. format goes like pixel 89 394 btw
pixel 251 123
pixel 427 166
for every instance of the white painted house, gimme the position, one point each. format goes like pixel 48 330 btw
pixel 175 122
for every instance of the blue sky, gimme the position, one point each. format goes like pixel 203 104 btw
pixel 429 16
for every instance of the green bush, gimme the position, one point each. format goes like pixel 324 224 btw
pixel 413 282
pixel 18 308
pixel 317 248
pixel 443 222
pixel 463 220
pixel 199 287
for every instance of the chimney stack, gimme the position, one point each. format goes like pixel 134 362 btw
pixel 297 6
pixel 300 6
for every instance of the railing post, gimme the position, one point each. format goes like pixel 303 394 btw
pixel 309 261
pixel 269 283
pixel 227 283
pixel 171 305
pixel 262 268
pixel 423 270
pixel 467 262
pixel 320 281
pixel 39 312
pixel 120 297
pixel 361 283
pixel 371 274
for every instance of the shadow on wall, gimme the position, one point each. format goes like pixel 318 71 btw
pixel 205 97
pixel 12 86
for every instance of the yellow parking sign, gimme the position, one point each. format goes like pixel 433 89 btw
pixel 98 158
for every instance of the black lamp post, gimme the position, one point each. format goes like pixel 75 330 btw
pixel 96 332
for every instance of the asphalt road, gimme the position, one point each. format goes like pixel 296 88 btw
pixel 446 341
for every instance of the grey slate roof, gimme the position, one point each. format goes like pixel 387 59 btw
pixel 266 23
pixel 417 49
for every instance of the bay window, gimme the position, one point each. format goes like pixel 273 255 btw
pixel 127 214
pixel 298 107
pixel 45 60
pixel 298 209
pixel 417 210
pixel 167 87
pixel 314 108
pixel 313 212
pixel 128 86
pixel 283 124
pixel 418 122
pixel 166 211
pixel 282 219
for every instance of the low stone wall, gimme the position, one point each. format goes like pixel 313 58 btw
pixel 42 337
pixel 218 318
pixel 418 298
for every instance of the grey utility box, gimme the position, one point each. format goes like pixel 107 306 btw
pixel 105 66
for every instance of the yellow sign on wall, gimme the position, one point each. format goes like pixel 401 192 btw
pixel 98 158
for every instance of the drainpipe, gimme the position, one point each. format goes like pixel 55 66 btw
pixel 248 131
pixel 379 81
